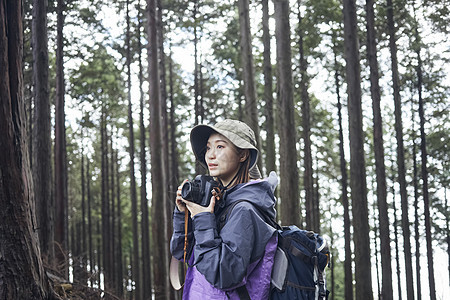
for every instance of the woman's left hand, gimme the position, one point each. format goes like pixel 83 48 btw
pixel 195 208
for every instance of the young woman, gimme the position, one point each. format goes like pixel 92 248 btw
pixel 235 261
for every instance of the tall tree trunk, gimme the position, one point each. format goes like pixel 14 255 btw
pixel 400 151
pixel 159 194
pixel 426 200
pixel 197 118
pixel 61 213
pixel 357 164
pixel 268 91
pixel 380 170
pixel 133 194
pixel 42 166
pixel 113 244
pixel 90 227
pixel 83 221
pixel 22 275
pixel 348 284
pixel 312 215
pixel 416 207
pixel 118 254
pixel 145 227
pixel 251 104
pixel 397 254
pixel 290 211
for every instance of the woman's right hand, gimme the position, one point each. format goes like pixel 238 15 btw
pixel 179 200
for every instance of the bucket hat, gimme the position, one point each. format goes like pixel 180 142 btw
pixel 239 133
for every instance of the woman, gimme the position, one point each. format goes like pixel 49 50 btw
pixel 235 261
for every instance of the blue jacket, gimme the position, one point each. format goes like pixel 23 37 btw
pixel 241 254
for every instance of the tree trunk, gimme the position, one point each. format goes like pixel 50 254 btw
pixel 397 255
pixel 400 151
pixel 416 208
pixel 90 227
pixel 385 247
pixel 22 275
pixel 312 215
pixel 251 104
pixel 42 167
pixel 348 284
pixel 426 200
pixel 289 180
pixel 268 92
pixel 133 194
pixel 159 194
pixel 118 238
pixel 145 227
pixel 61 214
pixel 357 164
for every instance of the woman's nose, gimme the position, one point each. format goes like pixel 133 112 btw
pixel 211 153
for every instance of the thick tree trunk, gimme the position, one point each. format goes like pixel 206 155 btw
pixel 42 167
pixel 268 92
pixel 357 163
pixel 289 180
pixel 251 104
pixel 159 194
pixel 385 247
pixel 61 201
pixel 22 275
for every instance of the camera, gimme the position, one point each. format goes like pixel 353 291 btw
pixel 199 190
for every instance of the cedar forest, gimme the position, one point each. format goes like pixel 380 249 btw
pixel 349 100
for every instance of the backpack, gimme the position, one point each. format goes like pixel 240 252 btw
pixel 299 265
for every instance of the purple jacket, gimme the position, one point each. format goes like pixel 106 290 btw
pixel 241 254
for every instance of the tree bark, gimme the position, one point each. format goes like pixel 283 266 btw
pixel 357 163
pixel 61 201
pixel 251 103
pixel 133 194
pixel 22 275
pixel 42 167
pixel 312 214
pixel 400 151
pixel 380 170
pixel 145 226
pixel 289 180
pixel 268 92
pixel 159 193
pixel 348 284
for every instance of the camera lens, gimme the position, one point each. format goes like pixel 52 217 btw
pixel 186 191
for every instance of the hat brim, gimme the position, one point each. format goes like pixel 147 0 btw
pixel 199 138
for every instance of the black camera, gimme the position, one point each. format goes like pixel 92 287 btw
pixel 199 190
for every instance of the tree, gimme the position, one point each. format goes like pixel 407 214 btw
pixel 386 287
pixel 400 150
pixel 251 103
pixel 357 164
pixel 21 270
pixel 134 210
pixel 312 210
pixel 61 203
pixel 268 91
pixel 289 179
pixel 159 194
pixel 42 168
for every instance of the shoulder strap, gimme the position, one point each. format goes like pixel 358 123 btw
pixel 222 218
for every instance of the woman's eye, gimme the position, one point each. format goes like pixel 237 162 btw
pixel 220 147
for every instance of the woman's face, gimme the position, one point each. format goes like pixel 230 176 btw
pixel 222 158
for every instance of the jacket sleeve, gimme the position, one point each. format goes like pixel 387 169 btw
pixel 223 259
pixel 177 240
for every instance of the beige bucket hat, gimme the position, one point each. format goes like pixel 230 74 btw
pixel 239 133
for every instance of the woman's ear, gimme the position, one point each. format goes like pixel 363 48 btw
pixel 244 155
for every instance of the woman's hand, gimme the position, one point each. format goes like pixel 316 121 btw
pixel 179 200
pixel 195 208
